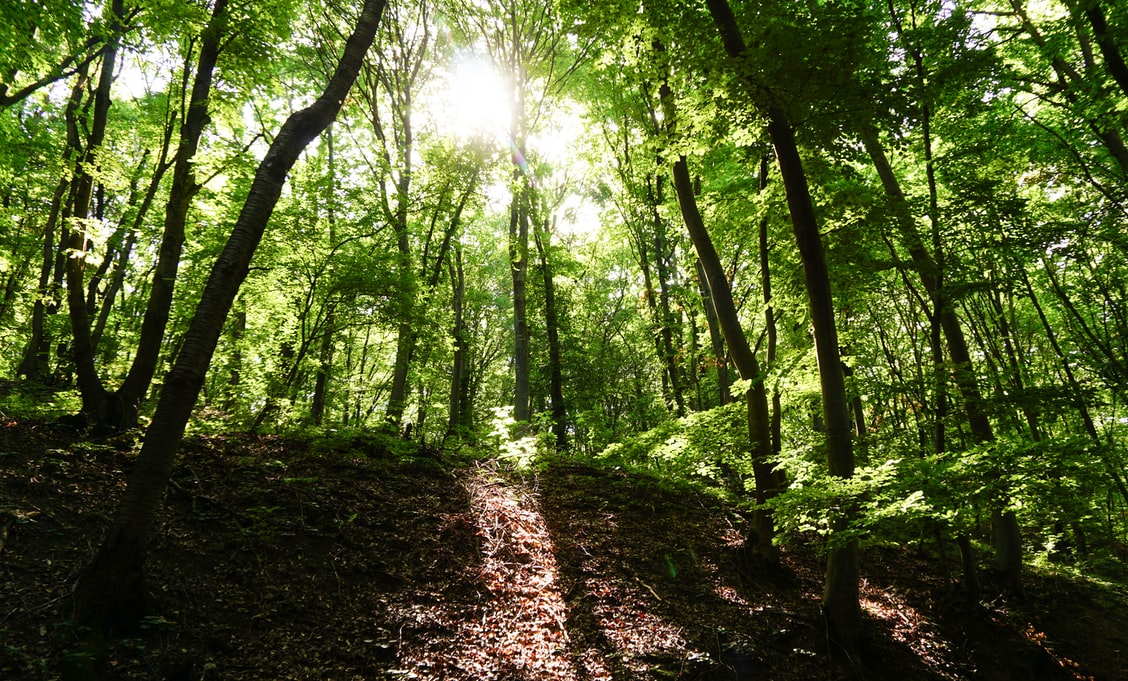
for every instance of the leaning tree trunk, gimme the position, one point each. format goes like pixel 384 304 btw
pixel 111 591
pixel 720 291
pixel 840 592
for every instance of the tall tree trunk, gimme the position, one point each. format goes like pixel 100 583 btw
pixel 1114 61
pixel 519 269
pixel 720 291
pixel 769 317
pixel 329 329
pixel 1006 533
pixel 840 593
pixel 111 591
pixel 556 373
pixel 1075 391
pixel 458 336
pixel 34 363
pixel 89 383
pixel 126 402
pixel 716 337
pixel 660 308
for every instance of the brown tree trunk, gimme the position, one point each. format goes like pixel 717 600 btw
pixel 716 337
pixel 111 591
pixel 759 422
pixel 127 400
pixel 769 318
pixel 840 592
pixel 963 371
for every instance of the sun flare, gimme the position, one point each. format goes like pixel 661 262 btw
pixel 476 99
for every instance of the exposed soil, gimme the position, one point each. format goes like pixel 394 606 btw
pixel 275 561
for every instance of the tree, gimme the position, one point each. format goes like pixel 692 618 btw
pixel 119 410
pixel 840 592
pixel 111 591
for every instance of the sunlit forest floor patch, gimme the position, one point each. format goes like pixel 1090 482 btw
pixel 276 559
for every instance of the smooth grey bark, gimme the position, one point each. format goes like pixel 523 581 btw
pixel 111 591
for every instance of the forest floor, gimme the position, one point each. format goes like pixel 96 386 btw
pixel 274 559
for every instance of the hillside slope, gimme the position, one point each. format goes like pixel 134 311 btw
pixel 276 561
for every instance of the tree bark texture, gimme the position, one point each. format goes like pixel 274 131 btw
pixel 110 591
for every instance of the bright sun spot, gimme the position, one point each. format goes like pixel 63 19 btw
pixel 476 101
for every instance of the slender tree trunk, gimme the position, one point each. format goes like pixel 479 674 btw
pixel 111 591
pixel 519 269
pixel 329 329
pixel 127 401
pixel 556 373
pixel 840 592
pixel 89 383
pixel 458 335
pixel 1075 390
pixel 660 309
pixel 1008 546
pixel 720 291
pixel 1114 61
pixel 34 363
pixel 769 318
pixel 716 337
